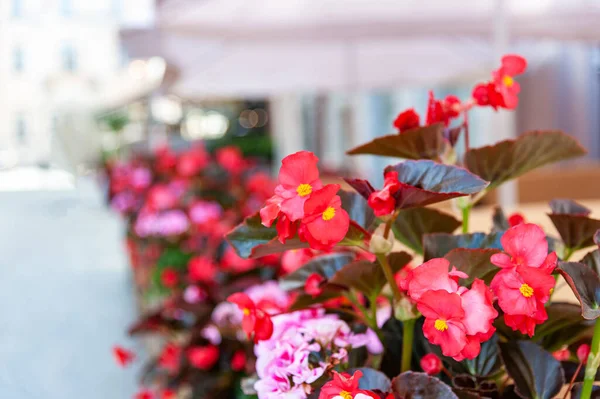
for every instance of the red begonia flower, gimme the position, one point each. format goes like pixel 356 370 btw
pixel 407 120
pixel 383 202
pixel 168 394
pixel 516 219
pixel 238 361
pixel 169 278
pixel 562 355
pixel 285 228
pixel 325 223
pixel 170 357
pixel 261 184
pixel 203 357
pixel 144 394
pixel 231 159
pixel 431 276
pixel 298 179
pixel 233 262
pixel 479 310
pixel 525 245
pixel 342 385
pixel 431 364
pixel 442 110
pixel 520 291
pixel 443 325
pixel 255 321
pixel 122 356
pixel 201 269
pixel 502 91
pixel 270 211
pixel 313 284
pixel 583 352
pixel 190 163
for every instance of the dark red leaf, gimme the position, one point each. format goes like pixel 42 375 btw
pixel 576 231
pixel 585 284
pixel 475 262
pixel 567 206
pixel 420 143
pixel 412 224
pixel 509 159
pixel 427 182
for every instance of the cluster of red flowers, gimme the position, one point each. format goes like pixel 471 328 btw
pixel 302 204
pixel 525 282
pixel 501 92
pixel 457 319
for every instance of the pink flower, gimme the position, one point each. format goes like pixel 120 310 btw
pixel 295 258
pixel 191 162
pixel 430 276
pixel 203 212
pixel 525 282
pixel 231 159
pixel 160 197
pixel 233 262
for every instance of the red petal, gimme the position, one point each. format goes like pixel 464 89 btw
pixel 514 64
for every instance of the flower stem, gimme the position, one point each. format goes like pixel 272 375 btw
pixel 407 343
pixel 592 364
pixel 389 275
pixel 466 211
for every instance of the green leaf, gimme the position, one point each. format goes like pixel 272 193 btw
pixel 437 245
pixel 536 373
pixel 475 262
pixel 420 143
pixel 419 385
pixel 412 224
pixel 325 265
pixel 509 159
pixel 248 235
pixel 576 231
pixel 367 277
pixel 585 284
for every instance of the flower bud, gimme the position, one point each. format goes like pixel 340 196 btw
pixel 431 364
pixel 583 353
pixel 405 309
pixel 379 244
pixel 562 354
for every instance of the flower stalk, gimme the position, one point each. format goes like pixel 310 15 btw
pixel 466 212
pixel 408 333
pixel 592 364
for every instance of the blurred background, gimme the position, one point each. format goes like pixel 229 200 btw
pixel 82 81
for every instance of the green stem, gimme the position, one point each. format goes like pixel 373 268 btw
pixel 568 253
pixel 592 365
pixel 407 343
pixel 466 211
pixel 389 275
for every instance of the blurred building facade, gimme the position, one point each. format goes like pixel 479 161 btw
pixel 54 55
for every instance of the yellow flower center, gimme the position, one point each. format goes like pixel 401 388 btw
pixel 346 395
pixel 304 189
pixel 526 290
pixel 246 312
pixel 508 81
pixel 441 325
pixel 329 213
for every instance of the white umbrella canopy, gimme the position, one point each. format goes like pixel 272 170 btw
pixel 249 48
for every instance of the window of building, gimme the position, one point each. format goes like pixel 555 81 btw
pixel 18 59
pixel 16 8
pixel 69 59
pixel 21 129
